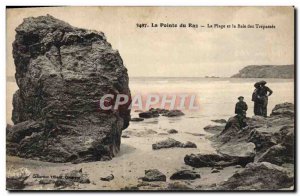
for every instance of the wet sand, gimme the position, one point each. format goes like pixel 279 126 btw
pixel 135 156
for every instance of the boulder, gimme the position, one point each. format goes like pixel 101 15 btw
pixel 108 178
pixel 277 154
pixel 189 144
pixel 185 175
pixel 284 109
pixel 231 132
pixel 266 137
pixel 171 143
pixel 159 110
pixel 15 178
pixel 214 128
pixel 259 176
pixel 136 119
pixel 215 171
pixel 262 138
pixel 62 73
pixel 213 160
pixel 172 131
pixel 149 114
pixel 173 113
pixel 243 152
pixel 206 160
pixel 153 175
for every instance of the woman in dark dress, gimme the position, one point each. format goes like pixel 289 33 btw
pixel 258 101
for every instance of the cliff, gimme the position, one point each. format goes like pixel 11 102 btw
pixel 266 71
pixel 62 72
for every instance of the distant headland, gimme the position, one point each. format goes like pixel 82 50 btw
pixel 266 71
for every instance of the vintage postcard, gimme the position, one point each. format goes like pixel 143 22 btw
pixel 150 98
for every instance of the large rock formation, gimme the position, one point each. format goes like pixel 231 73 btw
pixel 228 155
pixel 266 71
pixel 62 72
pixel 273 137
pixel 267 142
pixel 259 176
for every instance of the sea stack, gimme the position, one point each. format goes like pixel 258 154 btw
pixel 62 72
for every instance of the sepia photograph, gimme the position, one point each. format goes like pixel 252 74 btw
pixel 157 98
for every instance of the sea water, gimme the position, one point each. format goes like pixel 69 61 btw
pixel 216 98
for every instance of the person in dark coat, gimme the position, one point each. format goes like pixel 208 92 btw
pixel 263 93
pixel 258 102
pixel 240 111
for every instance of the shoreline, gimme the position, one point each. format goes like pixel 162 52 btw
pixel 134 158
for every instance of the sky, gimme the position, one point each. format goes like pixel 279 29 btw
pixel 179 52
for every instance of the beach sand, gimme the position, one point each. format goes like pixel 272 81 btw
pixel 136 154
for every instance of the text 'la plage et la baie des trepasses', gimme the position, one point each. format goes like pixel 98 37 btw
pixel 210 26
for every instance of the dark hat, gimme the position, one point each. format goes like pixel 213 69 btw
pixel 262 82
pixel 257 84
pixel 240 97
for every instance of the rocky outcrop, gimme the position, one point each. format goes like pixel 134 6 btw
pixel 173 113
pixel 149 114
pixel 266 148
pixel 259 176
pixel 171 143
pixel 156 112
pixel 284 110
pixel 62 72
pixel 276 131
pixel 185 175
pixel 152 175
pixel 213 160
pixel 159 110
pixel 266 71
pixel 277 154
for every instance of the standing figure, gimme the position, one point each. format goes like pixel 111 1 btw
pixel 258 101
pixel 240 109
pixel 263 93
